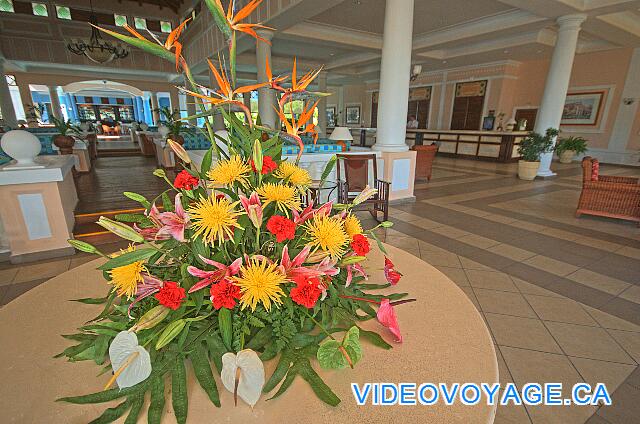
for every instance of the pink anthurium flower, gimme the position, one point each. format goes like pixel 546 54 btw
pixel 174 223
pixel 149 286
pixel 390 272
pixel 253 207
pixel 210 277
pixel 387 317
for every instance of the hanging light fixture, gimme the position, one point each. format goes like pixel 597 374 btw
pixel 96 48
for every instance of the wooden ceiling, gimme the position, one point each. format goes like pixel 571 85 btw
pixel 173 5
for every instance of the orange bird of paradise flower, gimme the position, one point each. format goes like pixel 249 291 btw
pixel 170 44
pixel 234 20
pixel 297 85
pixel 302 125
pixel 225 94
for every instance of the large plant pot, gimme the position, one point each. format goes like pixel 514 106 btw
pixel 567 156
pixel 64 143
pixel 527 170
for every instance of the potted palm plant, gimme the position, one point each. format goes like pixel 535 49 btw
pixel 171 120
pixel 64 140
pixel 530 150
pixel 568 147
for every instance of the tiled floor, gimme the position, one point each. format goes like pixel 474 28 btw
pixel 560 295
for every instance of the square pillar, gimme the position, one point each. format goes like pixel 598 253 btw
pixel 399 168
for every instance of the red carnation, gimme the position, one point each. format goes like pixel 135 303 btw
pixel 185 181
pixel 268 165
pixel 171 295
pixel 224 294
pixel 360 245
pixel 282 228
pixel 307 291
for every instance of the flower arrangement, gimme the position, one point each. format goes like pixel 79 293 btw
pixel 235 269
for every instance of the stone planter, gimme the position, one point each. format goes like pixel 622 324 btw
pixel 567 156
pixel 64 143
pixel 527 170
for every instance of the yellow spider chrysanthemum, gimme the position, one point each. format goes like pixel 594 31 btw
pixel 259 282
pixel 284 196
pixel 293 174
pixel 214 219
pixel 328 234
pixel 230 171
pixel 125 279
pixel 352 225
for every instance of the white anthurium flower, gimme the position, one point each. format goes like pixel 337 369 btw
pixel 130 362
pixel 243 375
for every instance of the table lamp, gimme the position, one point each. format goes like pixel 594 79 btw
pixel 341 135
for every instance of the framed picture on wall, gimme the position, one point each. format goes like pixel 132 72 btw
pixel 582 108
pixel 353 115
pixel 331 116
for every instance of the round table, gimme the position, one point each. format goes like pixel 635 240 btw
pixel 445 341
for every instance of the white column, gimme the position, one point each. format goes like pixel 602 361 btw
pixel 27 102
pixel 394 76
pixel 341 118
pixel 266 96
pixel 246 99
pixel 55 102
pixel 8 112
pixel 322 104
pixel 154 108
pixel 557 84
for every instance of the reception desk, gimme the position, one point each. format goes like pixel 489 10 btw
pixel 500 146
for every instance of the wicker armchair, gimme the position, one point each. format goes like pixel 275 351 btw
pixel 424 160
pixel 356 173
pixel 610 196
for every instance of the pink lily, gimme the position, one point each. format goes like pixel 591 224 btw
pixel 151 233
pixel 307 213
pixel 324 209
pixel 387 317
pixel 149 286
pixel 210 277
pixel 253 207
pixel 357 268
pixel 174 223
pixel 390 272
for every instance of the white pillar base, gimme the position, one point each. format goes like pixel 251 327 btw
pixel 390 148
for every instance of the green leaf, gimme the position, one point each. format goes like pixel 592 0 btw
pixel 167 204
pixel 101 346
pixel 137 198
pixel 219 17
pixel 374 338
pixel 291 375
pixel 351 343
pixel 156 405
pixel 136 405
pixel 205 166
pixel 179 391
pixel 170 332
pixel 126 259
pixel 132 217
pixel 216 350
pixel 202 370
pixel 280 372
pixel 319 387
pixel 330 356
pixel 327 169
pixel 112 414
pixel 91 300
pixel 226 329
pixel 146 45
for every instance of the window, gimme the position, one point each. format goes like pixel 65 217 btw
pixel 6 6
pixel 121 20
pixel 140 23
pixel 63 12
pixel 39 9
pixel 165 26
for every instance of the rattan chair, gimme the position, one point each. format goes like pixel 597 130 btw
pixel 610 196
pixel 424 160
pixel 356 178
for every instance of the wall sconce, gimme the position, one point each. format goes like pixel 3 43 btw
pixel 415 71
pixel 627 101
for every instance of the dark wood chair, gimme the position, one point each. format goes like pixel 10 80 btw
pixel 356 178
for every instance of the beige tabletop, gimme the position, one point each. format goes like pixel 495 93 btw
pixel 445 341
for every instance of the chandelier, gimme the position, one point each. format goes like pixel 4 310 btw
pixel 96 48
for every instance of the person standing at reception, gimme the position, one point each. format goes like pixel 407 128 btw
pixel 412 123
